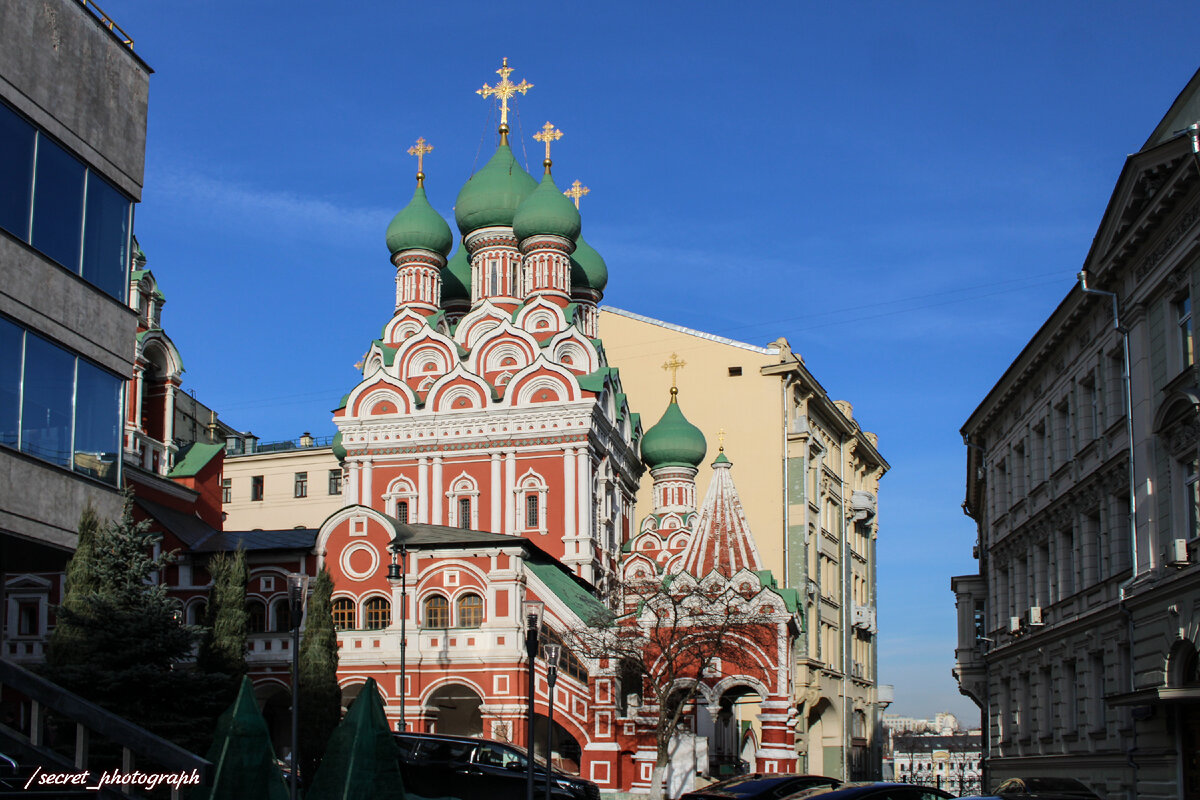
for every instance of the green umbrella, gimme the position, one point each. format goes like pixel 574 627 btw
pixel 361 759
pixel 243 761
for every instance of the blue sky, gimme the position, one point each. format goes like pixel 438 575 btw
pixel 903 190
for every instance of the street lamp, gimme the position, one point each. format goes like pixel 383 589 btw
pixel 533 610
pixel 553 651
pixel 297 593
pixel 399 572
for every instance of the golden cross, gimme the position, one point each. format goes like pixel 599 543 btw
pixel 419 150
pixel 548 134
pixel 504 90
pixel 576 191
pixel 674 364
pixel 721 438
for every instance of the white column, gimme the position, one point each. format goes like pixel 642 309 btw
pixel 510 481
pixel 169 416
pixel 435 494
pixel 569 492
pixel 139 376
pixel 583 474
pixel 497 493
pixel 367 491
pixel 352 477
pixel 423 489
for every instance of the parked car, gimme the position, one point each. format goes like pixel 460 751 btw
pixel 436 765
pixel 872 791
pixel 759 786
pixel 1043 789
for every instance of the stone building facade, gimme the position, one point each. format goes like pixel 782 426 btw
pixel 1078 635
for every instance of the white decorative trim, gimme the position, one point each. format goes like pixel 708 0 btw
pixel 344 561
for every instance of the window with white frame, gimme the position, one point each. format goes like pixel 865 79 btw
pixel 463 505
pixel 1183 319
pixel 1191 496
pixel 400 499
pixel 531 502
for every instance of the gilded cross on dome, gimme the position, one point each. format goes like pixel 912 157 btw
pixel 504 90
pixel 674 364
pixel 576 191
pixel 721 439
pixel 419 150
pixel 548 134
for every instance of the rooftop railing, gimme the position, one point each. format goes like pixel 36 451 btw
pixel 107 22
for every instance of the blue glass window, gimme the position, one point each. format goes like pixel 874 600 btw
pixel 97 427
pixel 48 401
pixel 105 236
pixel 58 204
pixel 16 172
pixel 10 381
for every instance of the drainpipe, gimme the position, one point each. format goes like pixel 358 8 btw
pixel 845 570
pixel 1133 545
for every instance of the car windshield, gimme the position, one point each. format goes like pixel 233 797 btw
pixel 1054 785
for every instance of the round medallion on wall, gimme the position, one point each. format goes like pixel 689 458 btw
pixel 359 561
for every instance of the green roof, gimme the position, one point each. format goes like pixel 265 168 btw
pixel 456 277
pixel 389 352
pixel 673 441
pixel 546 211
pixel 588 270
pixel 594 381
pixel 193 458
pixel 564 587
pixel 419 227
pixel 492 195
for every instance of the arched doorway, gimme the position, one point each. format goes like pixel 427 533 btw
pixel 735 719
pixel 275 702
pixel 824 755
pixel 454 709
pixel 566 755
pixel 349 695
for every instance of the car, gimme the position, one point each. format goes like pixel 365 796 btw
pixel 872 791
pixel 759 786
pixel 467 768
pixel 1043 789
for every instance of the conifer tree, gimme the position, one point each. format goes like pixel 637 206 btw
pixel 119 639
pixel 320 697
pixel 223 648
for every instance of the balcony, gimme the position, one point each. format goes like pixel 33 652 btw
pixel 970 665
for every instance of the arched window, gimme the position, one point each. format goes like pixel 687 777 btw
pixel 196 612
pixel 568 664
pixel 437 612
pixel 531 502
pixel 256 621
pixel 377 613
pixel 283 615
pixel 470 611
pixel 344 617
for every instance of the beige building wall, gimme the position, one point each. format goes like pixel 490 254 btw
pixel 280 508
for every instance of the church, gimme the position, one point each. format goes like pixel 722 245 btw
pixel 491 437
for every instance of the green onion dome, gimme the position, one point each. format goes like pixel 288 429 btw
pixel 673 441
pixel 588 270
pixel 419 227
pixel 339 449
pixel 492 195
pixel 456 277
pixel 546 211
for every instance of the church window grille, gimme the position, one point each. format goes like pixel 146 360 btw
pixel 494 278
pixel 464 513
pixel 256 488
pixel 531 511
pixel 335 481
pixel 402 511
pixel 256 619
pixel 470 611
pixel 437 612
pixel 344 616
pixel 227 490
pixel 301 489
pixel 377 613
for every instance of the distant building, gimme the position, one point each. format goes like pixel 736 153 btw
pixel 951 762
pixel 1078 636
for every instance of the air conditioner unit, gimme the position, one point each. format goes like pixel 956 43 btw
pixel 1014 624
pixel 1034 615
pixel 1177 553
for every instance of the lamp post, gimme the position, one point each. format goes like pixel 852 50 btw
pixel 399 572
pixel 553 651
pixel 297 593
pixel 533 621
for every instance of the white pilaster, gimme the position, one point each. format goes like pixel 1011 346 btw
pixel 497 493
pixel 510 482
pixel 367 488
pixel 569 493
pixel 423 489
pixel 435 494
pixel 583 474
pixel 351 492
